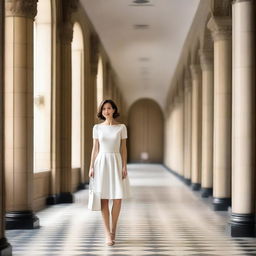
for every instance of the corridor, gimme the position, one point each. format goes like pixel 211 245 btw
pixel 163 217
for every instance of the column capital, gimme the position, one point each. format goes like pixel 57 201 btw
pixel 68 7
pixel 220 27
pixel 195 71
pixel 66 26
pixel 206 59
pixel 66 32
pixel 21 8
pixel 221 7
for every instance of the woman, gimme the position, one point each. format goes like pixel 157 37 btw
pixel 108 165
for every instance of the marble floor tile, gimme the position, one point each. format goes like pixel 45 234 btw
pixel 163 217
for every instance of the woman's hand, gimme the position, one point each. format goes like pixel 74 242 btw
pixel 91 172
pixel 124 172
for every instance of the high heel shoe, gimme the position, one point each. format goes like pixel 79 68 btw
pixel 110 242
pixel 113 235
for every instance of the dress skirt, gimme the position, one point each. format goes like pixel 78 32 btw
pixel 108 176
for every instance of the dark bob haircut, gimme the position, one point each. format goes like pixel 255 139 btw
pixel 115 114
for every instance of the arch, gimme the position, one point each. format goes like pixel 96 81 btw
pixel 77 84
pixel 42 86
pixel 146 126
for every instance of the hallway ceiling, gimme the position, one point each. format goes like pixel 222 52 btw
pixel 143 40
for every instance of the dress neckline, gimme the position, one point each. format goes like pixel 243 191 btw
pixel 109 125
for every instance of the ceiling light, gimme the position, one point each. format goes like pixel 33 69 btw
pixel 140 1
pixel 141 26
pixel 137 3
pixel 144 59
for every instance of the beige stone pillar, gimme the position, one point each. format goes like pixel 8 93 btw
pixel 18 130
pixel 244 122
pixel 172 135
pixel 118 99
pixel 66 36
pixel 55 118
pixel 86 123
pixel 206 59
pixel 89 107
pixel 221 32
pixel 114 92
pixel 94 57
pixel 107 81
pixel 180 128
pixel 187 127
pixel 66 118
pixel 5 247
pixel 111 89
pixel 175 134
pixel 196 127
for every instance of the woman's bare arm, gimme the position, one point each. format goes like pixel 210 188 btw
pixel 124 157
pixel 95 151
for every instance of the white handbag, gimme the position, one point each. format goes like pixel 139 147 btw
pixel 94 201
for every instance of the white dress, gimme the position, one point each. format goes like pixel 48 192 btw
pixel 108 163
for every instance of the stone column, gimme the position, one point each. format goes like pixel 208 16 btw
pixel 187 128
pixel 176 132
pixel 18 130
pixel 89 108
pixel 94 57
pixel 107 81
pixel 66 36
pixel 221 32
pixel 85 124
pixel 172 132
pixel 196 127
pixel 111 87
pixel 55 118
pixel 242 220
pixel 180 128
pixel 5 247
pixel 206 58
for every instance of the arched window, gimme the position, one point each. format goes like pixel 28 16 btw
pixel 77 82
pixel 100 82
pixel 42 86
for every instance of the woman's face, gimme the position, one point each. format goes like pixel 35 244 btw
pixel 107 110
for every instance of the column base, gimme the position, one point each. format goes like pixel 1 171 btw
pixel 221 204
pixel 187 181
pixel 52 199
pixel 65 197
pixel 195 186
pixel 21 220
pixel 81 186
pixel 206 192
pixel 242 225
pixel 5 247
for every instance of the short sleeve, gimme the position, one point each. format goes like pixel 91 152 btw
pixel 95 132
pixel 124 132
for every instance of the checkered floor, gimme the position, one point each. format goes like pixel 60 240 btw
pixel 164 217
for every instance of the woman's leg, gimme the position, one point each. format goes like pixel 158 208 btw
pixel 115 213
pixel 105 215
